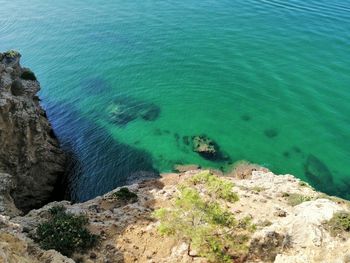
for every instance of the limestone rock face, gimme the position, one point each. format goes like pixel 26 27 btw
pixel 129 232
pixel 17 248
pixel 29 150
pixel 6 201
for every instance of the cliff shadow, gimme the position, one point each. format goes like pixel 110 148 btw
pixel 97 162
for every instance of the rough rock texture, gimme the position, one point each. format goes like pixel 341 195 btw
pixel 29 150
pixel 204 146
pixel 6 202
pixel 15 247
pixel 285 233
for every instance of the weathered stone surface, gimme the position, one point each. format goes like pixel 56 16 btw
pixel 29 150
pixel 7 205
pixel 204 146
pixel 129 232
pixel 181 168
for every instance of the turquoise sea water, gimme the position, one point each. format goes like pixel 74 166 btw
pixel 268 80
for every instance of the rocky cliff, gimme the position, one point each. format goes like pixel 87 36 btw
pixel 291 223
pixel 30 158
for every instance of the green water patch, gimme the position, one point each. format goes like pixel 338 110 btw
pixel 267 81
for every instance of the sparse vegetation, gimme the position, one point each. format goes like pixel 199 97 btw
pixel 11 54
pixel 216 187
pixel 65 232
pixel 125 195
pixel 302 183
pixel 27 74
pixel 258 189
pixel 340 223
pixel 265 223
pixel 335 199
pixel 210 230
pixel 294 199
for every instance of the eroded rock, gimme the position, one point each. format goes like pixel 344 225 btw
pixel 28 150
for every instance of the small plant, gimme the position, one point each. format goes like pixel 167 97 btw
pixel 216 187
pixel 125 195
pixel 27 74
pixel 303 184
pixel 65 232
pixel 265 223
pixel 339 223
pixel 258 189
pixel 208 229
pixel 11 54
pixel 294 199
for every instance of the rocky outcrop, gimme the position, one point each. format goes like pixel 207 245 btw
pixel 15 247
pixel 7 205
pixel 30 158
pixel 204 146
pixel 285 231
pixel 208 148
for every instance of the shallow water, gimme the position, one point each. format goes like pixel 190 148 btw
pixel 267 80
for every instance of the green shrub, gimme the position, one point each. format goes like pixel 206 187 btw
pixel 339 223
pixel 11 54
pixel 207 228
pixel 125 195
pixel 65 232
pixel 27 74
pixel 216 187
pixel 294 199
pixel 258 189
pixel 302 183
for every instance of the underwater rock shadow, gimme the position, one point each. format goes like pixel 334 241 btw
pixel 95 85
pixel 271 133
pixel 98 162
pixel 319 175
pixel 125 109
pixel 205 147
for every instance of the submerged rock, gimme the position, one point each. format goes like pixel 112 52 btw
pixel 208 148
pixel 95 86
pixel 318 173
pixel 125 110
pixel 204 146
pixel 121 114
pixel 29 152
pixel 150 113
pixel 186 140
pixel 271 133
pixel 246 117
